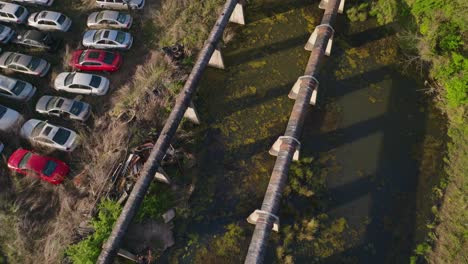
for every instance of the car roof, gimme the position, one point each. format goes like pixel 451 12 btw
pixel 49 15
pixel 21 59
pixel 109 14
pixel 9 7
pixel 94 55
pixel 83 78
pixel 107 34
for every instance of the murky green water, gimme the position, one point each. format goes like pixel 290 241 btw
pixel 358 181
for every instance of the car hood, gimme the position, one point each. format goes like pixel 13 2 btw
pixel 42 102
pixel 4 56
pixel 5 32
pixel 32 17
pixel 92 17
pixel 88 36
pixel 9 119
pixel 16 157
pixel 60 79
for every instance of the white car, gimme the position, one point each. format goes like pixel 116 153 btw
pixel 49 20
pixel 24 63
pixel 121 4
pixel 6 33
pixel 107 39
pixel 109 18
pixel 63 107
pixel 81 83
pixel 36 2
pixel 9 119
pixel 16 89
pixel 12 13
pixel 46 134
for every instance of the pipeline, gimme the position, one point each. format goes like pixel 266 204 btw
pixel 112 245
pixel 267 215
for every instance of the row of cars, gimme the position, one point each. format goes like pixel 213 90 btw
pixel 103 38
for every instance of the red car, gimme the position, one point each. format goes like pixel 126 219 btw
pixel 96 60
pixel 46 168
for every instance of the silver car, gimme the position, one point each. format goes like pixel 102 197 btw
pixel 6 33
pixel 81 83
pixel 121 4
pixel 16 89
pixel 36 2
pixel 24 63
pixel 12 13
pixel 109 18
pixel 63 107
pixel 9 119
pixel 107 39
pixel 46 134
pixel 49 20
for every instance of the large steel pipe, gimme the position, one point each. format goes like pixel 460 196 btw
pixel 112 245
pixel 271 201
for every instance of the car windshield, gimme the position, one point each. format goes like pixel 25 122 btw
pixel 61 136
pixel 99 16
pixel 3 110
pixel 18 88
pixel 76 108
pixel 109 57
pixel 24 160
pixel 19 11
pixel 82 57
pixel 120 38
pixel 10 58
pixel 97 36
pixel 95 81
pixel 34 63
pixel 51 103
pixel 37 129
pixel 61 19
pixel 121 17
pixel 49 168
pixel 69 78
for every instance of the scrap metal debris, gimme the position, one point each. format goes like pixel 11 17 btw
pixel 174 54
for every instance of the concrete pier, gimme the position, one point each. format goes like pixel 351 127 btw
pixel 238 14
pixel 275 149
pixel 311 42
pixel 323 5
pixel 216 59
pixel 191 114
pixel 259 215
pixel 295 90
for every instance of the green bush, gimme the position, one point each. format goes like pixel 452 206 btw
pixel 158 200
pixel 87 251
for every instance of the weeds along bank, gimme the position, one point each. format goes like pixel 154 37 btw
pixel 41 222
pixel 433 34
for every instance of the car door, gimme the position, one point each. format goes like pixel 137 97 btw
pixel 45 141
pixel 88 65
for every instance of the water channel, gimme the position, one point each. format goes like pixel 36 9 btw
pixel 353 198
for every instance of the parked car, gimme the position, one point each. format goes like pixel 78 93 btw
pixel 81 83
pixel 16 89
pixel 12 13
pixel 96 60
pixel 63 107
pixel 6 34
pixel 107 39
pixel 49 20
pixel 121 4
pixel 37 39
pixel 46 134
pixel 36 2
pixel 45 168
pixel 24 63
pixel 109 18
pixel 9 119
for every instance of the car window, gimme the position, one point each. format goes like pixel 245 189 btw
pixel 18 88
pixel 10 58
pixel 61 19
pixel 76 108
pixel 91 63
pixel 42 22
pixel 19 11
pixel 49 168
pixel 3 14
pixel 4 92
pixel 69 78
pixel 2 27
pixel 82 57
pixel 61 136
pixel 50 23
pixel 59 102
pixel 10 16
pixel 121 17
pixel 51 103
pixel 37 129
pixel 3 110
pixel 120 38
pixel 34 63
pixel 97 36
pixel 99 16
pixel 24 161
pixel 95 81
pixel 109 57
